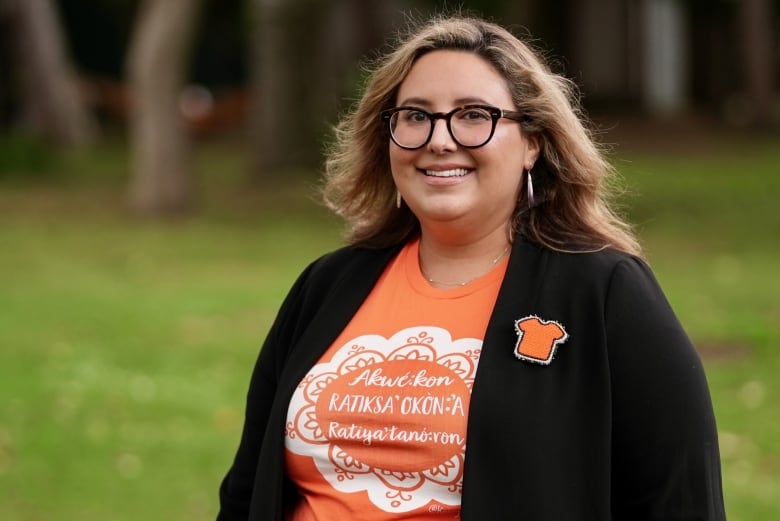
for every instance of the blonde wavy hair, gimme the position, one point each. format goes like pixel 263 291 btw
pixel 571 177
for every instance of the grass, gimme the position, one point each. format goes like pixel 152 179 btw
pixel 126 345
pixel 710 226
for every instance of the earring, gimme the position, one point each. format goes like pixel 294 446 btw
pixel 529 183
pixel 397 199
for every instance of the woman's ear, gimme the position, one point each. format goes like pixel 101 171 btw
pixel 532 150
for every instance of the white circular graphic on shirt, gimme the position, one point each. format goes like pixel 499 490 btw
pixel 400 402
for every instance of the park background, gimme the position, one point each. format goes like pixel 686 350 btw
pixel 159 163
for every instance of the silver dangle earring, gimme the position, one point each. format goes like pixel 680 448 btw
pixel 529 183
pixel 397 199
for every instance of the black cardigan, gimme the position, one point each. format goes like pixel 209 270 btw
pixel 619 426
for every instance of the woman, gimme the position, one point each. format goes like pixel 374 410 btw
pixel 489 346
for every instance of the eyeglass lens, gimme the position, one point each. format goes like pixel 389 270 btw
pixel 469 127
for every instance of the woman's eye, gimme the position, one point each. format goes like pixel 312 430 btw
pixel 474 115
pixel 415 116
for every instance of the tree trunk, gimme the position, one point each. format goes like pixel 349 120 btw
pixel 52 103
pixel 755 18
pixel 664 58
pixel 272 118
pixel 161 180
pixel 302 58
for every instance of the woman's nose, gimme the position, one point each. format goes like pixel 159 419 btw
pixel 441 139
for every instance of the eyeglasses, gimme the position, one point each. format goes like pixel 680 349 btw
pixel 471 126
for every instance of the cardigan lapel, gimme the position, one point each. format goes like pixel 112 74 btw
pixel 352 281
pixel 498 374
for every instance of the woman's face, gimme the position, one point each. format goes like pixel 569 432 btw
pixel 449 187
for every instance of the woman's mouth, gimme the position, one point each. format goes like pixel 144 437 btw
pixel 455 172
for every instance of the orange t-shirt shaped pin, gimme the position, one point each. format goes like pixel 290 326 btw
pixel 537 339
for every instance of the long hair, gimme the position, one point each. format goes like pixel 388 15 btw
pixel 571 210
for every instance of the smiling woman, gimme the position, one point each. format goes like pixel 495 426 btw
pixel 489 345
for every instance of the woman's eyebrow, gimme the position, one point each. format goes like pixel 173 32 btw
pixel 416 102
pixel 471 100
pixel 422 102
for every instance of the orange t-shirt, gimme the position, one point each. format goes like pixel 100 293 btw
pixel 377 428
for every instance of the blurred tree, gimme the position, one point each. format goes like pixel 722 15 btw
pixel 161 181
pixel 758 45
pixel 51 102
pixel 302 60
pixel 664 57
pixel 271 120
pixel 98 32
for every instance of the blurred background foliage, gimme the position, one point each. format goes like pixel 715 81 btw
pixel 158 168
pixel 277 74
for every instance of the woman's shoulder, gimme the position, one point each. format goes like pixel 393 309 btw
pixel 601 270
pixel 353 264
pixel 584 259
pixel 606 259
pixel 347 258
pixel 346 271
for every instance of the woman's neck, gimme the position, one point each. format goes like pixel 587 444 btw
pixel 449 264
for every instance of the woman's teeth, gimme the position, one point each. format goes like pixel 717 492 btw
pixel 456 172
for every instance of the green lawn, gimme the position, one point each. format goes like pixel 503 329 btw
pixel 126 344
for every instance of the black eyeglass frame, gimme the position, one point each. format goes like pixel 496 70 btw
pixel 495 114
